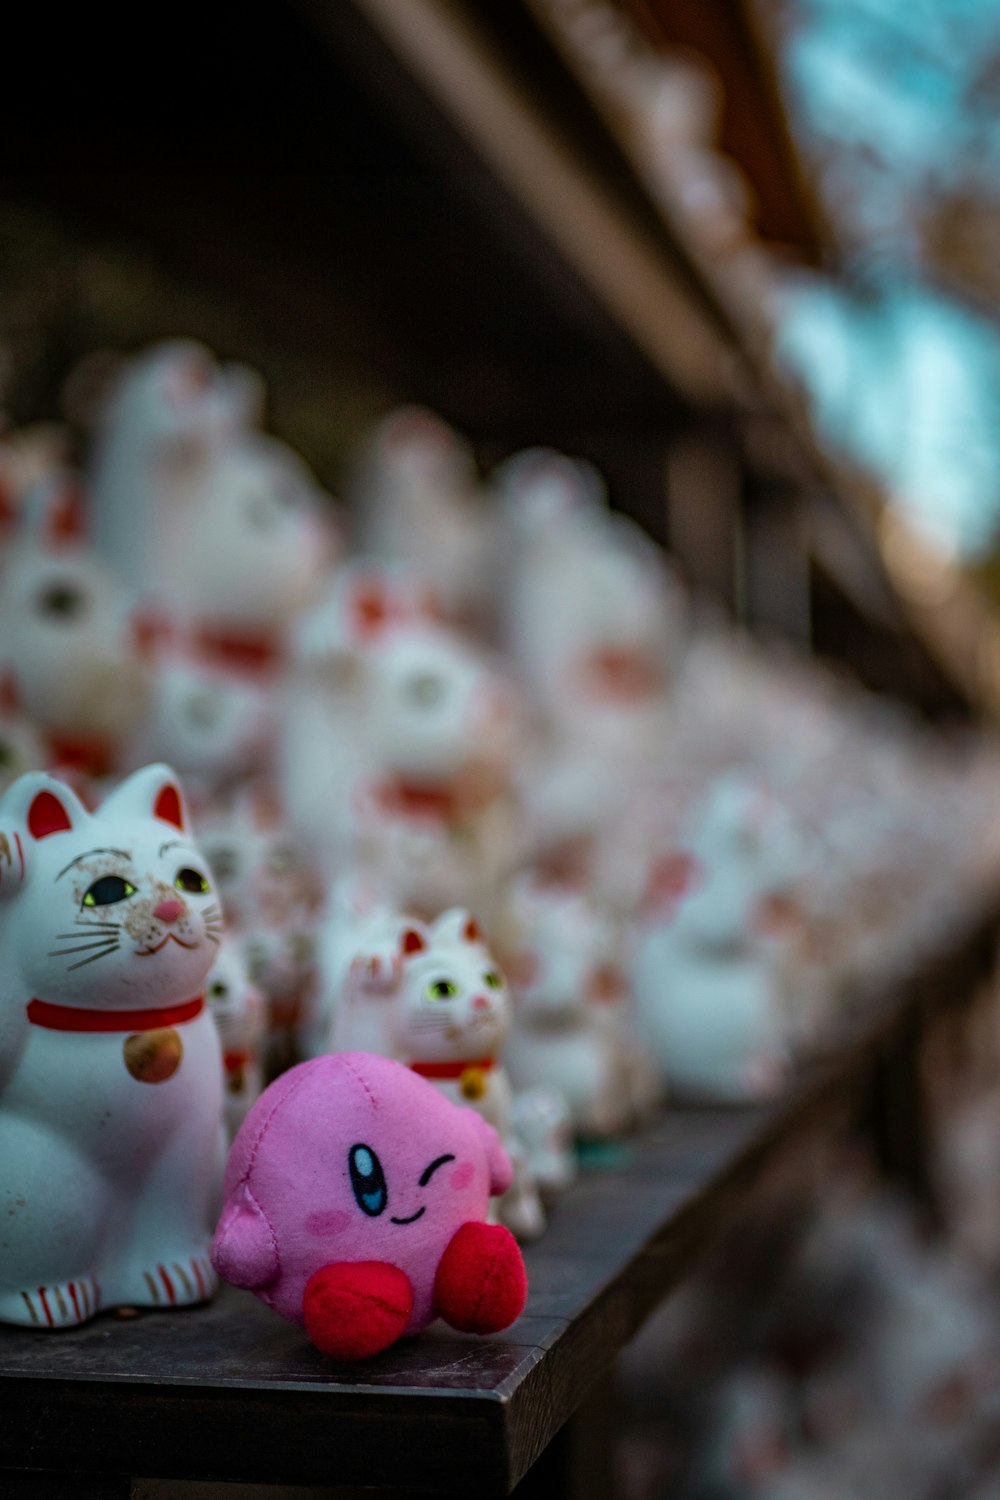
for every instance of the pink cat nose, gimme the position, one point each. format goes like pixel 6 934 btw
pixel 169 910
pixel 480 1003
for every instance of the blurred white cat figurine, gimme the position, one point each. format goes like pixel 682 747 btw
pixel 707 972
pixel 270 894
pixel 70 658
pixel 396 748
pixel 110 1072
pixel 562 976
pixel 420 504
pixel 239 1010
pixel 224 536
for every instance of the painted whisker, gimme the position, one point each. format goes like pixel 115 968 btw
pixel 105 953
pixel 81 948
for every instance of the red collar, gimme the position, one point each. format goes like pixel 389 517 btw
pixel 78 1018
pixel 453 1069
pixel 410 799
pixel 250 652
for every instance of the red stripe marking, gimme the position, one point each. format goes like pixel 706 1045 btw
pixel 76 1305
pixel 172 1295
pixel 198 1276
pixel 45 1306
pixel 20 852
pixel 78 1018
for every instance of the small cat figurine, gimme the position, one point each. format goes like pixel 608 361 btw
pixel 569 1030
pixel 71 659
pixel 239 1010
pixel 709 982
pixel 396 750
pixel 452 1015
pixel 110 1069
pixel 429 995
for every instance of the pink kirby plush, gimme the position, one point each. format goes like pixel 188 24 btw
pixel 355 1196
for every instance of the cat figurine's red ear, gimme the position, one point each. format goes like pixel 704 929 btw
pixel 34 807
pixel 412 941
pixel 47 815
pixel 155 789
pixel 168 805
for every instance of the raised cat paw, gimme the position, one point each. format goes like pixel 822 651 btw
pixel 377 970
pixel 62 1305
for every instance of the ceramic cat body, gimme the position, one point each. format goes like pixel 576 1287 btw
pixel 239 1010
pixel 224 536
pixel 70 658
pixel 218 524
pixel 359 967
pixel 566 979
pixel 172 410
pixel 396 747
pixel 110 1070
pixel 592 616
pixel 422 506
pixel 216 728
pixel 707 972
pixel 270 893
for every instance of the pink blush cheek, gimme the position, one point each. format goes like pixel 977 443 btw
pixel 462 1177
pixel 333 1221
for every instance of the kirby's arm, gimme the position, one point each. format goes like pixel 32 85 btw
pixel 501 1167
pixel 244 1249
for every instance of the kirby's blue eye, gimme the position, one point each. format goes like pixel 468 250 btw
pixel 367 1180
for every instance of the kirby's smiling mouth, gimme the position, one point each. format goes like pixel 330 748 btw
pixel 411 1220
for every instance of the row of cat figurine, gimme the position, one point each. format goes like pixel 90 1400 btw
pixel 111 1072
pixel 111 1136
pixel 574 1036
pixel 213 621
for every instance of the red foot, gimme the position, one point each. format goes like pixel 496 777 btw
pixel 481 1285
pixel 356 1308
